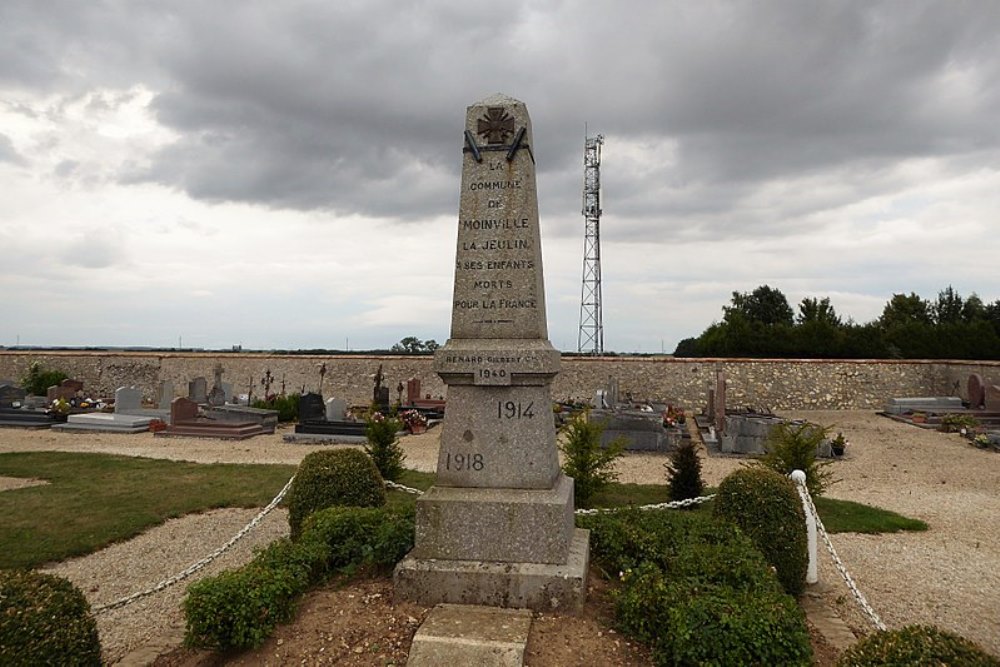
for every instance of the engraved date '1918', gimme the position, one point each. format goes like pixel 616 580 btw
pixel 466 462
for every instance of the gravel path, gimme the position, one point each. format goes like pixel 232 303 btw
pixel 949 575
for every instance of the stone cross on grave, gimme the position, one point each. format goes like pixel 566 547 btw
pixel 497 529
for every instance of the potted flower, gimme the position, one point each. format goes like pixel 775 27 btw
pixel 415 422
pixel 918 418
pixel 838 445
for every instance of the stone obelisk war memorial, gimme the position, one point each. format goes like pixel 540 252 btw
pixel 497 529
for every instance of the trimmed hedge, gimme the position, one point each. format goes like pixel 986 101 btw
pixel 240 608
pixel 916 645
pixel 360 536
pixel 697 590
pixel 625 539
pixel 340 477
pixel 45 620
pixel 690 623
pixel 767 508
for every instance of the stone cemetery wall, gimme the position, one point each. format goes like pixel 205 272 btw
pixel 779 384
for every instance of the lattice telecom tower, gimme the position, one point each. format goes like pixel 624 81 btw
pixel 591 338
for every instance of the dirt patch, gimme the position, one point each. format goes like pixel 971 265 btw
pixel 357 623
pixel 11 483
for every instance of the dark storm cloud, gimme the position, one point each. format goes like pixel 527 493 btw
pixel 358 107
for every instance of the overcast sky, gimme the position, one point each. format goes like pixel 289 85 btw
pixel 286 174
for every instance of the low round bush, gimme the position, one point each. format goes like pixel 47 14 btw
pixel 916 645
pixel 45 620
pixel 767 508
pixel 333 478
pixel 690 623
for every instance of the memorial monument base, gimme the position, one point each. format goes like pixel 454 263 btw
pixel 535 586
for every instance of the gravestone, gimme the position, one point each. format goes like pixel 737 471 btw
pixel 710 407
pixel 719 408
pixel 311 408
pixel 10 395
pixel 497 529
pixel 198 390
pixel 217 396
pixel 976 391
pixel 165 395
pixel 127 398
pixel 991 400
pixel 183 410
pixel 336 409
pixel 412 391
pixel 227 392
pixel 65 390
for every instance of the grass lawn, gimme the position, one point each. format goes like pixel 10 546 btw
pixel 93 500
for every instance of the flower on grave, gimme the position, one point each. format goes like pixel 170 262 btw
pixel 413 418
pixel 377 417
pixel 60 406
pixel 982 441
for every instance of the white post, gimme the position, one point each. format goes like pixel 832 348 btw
pixel 799 478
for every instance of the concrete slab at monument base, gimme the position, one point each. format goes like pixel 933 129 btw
pixel 102 422
pixel 536 586
pixel 470 635
pixel 462 523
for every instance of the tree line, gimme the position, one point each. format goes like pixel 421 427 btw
pixel 761 323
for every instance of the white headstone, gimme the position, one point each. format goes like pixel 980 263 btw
pixel 127 398
pixel 336 409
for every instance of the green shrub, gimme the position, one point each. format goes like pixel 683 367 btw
pixel 793 447
pixel 357 536
pixel 383 445
pixel 287 406
pixel 689 623
pixel 953 423
pixel 627 538
pixel 767 508
pixel 916 645
pixel 45 620
pixel 239 609
pixel 589 464
pixel 38 379
pixel 684 472
pixel 333 478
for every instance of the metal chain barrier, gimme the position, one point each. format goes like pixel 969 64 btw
pixel 858 596
pixel 676 504
pixel 404 489
pixel 204 561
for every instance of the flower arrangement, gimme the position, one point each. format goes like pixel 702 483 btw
pixel 673 416
pixel 982 441
pixel 413 419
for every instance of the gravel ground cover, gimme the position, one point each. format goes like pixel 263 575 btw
pixel 948 575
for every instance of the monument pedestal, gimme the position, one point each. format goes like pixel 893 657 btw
pixel 521 585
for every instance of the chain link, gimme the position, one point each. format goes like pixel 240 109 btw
pixel 858 596
pixel 405 489
pixel 180 576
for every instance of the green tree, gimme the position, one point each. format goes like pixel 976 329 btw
pixel 818 310
pixel 765 304
pixel 902 309
pixel 410 344
pixel 949 306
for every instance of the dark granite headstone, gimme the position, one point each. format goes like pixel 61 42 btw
pixel 10 394
pixel 382 399
pixel 311 408
pixel 976 390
